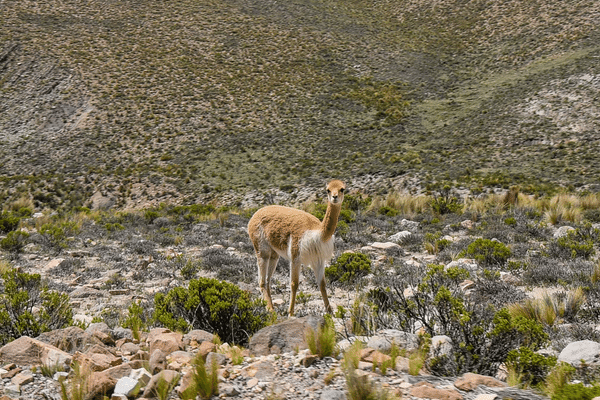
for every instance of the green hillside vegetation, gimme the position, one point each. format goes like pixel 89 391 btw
pixel 155 101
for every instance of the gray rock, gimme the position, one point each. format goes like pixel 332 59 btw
pixel 122 333
pixel 219 358
pixel 332 394
pixel 411 226
pixel 441 345
pixel 382 341
pixel 585 350
pixel 99 327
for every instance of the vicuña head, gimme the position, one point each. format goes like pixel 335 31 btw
pixel 297 236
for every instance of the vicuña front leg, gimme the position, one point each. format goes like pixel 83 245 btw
pixel 324 295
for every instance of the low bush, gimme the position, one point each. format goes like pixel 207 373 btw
pixel 9 220
pixel 482 334
pixel 215 306
pixel 488 253
pixel 28 308
pixel 14 241
pixel 348 268
pixel 529 368
pixel 575 244
pixel 445 202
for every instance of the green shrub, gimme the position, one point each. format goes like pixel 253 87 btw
pixel 14 241
pixel 9 221
pixel 531 368
pixel 348 268
pixel 216 306
pixel 576 244
pixel 488 253
pixel 22 294
pixel 136 319
pixel 577 392
pixel 54 235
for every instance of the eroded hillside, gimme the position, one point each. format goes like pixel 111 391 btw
pixel 183 101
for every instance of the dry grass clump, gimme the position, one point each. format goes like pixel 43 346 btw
pixel 551 309
pixel 405 204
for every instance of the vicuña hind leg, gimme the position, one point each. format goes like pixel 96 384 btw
pixel 294 282
pixel 266 265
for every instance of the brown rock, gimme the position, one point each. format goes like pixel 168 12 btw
pixel 261 370
pixel 377 357
pixel 165 340
pixel 70 339
pixel 309 360
pixel 470 381
pixel 10 373
pixel 425 390
pixel 284 337
pixel 22 379
pixel 96 361
pixel 402 364
pixel 198 336
pixel 158 361
pixel 103 382
pixel 129 348
pixel 28 351
pixel 97 349
pixel 180 357
pixel 167 375
pixel 205 348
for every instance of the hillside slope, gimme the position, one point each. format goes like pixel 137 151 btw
pixel 184 101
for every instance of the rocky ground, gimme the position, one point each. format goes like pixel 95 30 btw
pixel 104 269
pixel 116 363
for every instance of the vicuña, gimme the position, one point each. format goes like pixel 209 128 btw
pixel 297 236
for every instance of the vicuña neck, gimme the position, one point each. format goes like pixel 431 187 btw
pixel 330 221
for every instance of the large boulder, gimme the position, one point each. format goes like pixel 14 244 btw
pixel 29 351
pixel 285 337
pixel 164 340
pixel 70 339
pixel 383 340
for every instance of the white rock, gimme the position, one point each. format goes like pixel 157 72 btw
pixel 384 245
pixel 141 375
pixel 400 237
pixel 585 350
pixel 127 386
pixel 563 231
